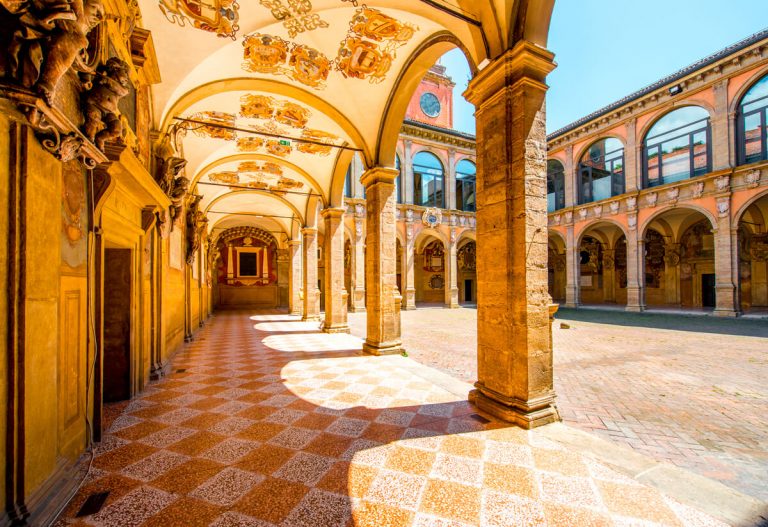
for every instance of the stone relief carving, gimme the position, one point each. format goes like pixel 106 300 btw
pixel 722 182
pixel 673 194
pixel 556 219
pixel 752 178
pixel 582 214
pixel 408 214
pixel 196 222
pixel 359 228
pixel 723 205
pixel 631 203
pixel 568 217
pixel 177 194
pixel 698 189
pixel 359 210
pixel 614 207
pixel 432 218
pixel 632 220
pixel 597 210
pixel 652 198
pixel 102 116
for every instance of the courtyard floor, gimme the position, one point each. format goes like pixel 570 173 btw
pixel 688 390
pixel 264 421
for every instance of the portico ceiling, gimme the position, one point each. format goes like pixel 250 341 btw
pixel 292 89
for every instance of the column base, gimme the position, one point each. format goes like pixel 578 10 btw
pixel 338 328
pixel 310 318
pixel 635 309
pixel 356 309
pixel 370 348
pixel 571 305
pixel 726 313
pixel 520 413
pixel 295 313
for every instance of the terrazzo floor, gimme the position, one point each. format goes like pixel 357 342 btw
pixel 266 421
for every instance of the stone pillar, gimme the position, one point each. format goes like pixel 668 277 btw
pixel 726 294
pixel 672 274
pixel 311 309
pixel 294 277
pixel 407 170
pixel 609 276
pixel 721 144
pixel 571 197
pixel 514 345
pixel 335 294
pixel 450 183
pixel 283 272
pixel 230 263
pixel 451 273
pixel 409 302
pixel 633 155
pixel 382 297
pixel 358 268
pixel 572 258
pixel 635 267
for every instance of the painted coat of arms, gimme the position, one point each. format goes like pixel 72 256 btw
pixel 217 16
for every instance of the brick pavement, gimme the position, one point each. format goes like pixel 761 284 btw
pixel 691 391
pixel 265 421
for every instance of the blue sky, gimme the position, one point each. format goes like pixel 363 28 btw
pixel 606 49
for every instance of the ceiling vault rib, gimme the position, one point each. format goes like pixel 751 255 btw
pixel 464 18
pixel 266 134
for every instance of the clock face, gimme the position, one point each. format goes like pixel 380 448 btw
pixel 430 104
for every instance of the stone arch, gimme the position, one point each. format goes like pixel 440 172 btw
pixel 595 224
pixel 580 154
pixel 661 211
pixel 733 104
pixel 282 200
pixel 739 214
pixel 667 109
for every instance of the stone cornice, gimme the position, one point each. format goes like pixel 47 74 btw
pixel 431 133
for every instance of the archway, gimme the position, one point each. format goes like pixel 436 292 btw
pixel 429 271
pixel 466 279
pixel 556 276
pixel 679 260
pixel 602 257
pixel 753 256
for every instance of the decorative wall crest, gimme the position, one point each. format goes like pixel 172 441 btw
pixel 359 210
pixel 408 215
pixel 673 194
pixel 698 189
pixel 371 43
pixel 409 231
pixel 651 198
pixel 722 182
pixel 296 15
pixel 216 16
pixel 358 228
pixel 583 214
pixel 723 205
pixel 614 206
pixel 274 55
pixel 597 210
pixel 556 219
pixel 752 178
pixel 220 125
pixel 432 218
pixel 631 203
pixel 569 216
pixel 632 220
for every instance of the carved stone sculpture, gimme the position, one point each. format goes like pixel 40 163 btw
pixel 168 171
pixel 196 222
pixel 40 40
pixel 102 116
pixel 179 190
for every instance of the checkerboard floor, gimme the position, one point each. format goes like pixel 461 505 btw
pixel 267 421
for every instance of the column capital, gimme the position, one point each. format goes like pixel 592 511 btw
pixel 309 231
pixel 379 175
pixel 333 212
pixel 524 62
pixel 294 243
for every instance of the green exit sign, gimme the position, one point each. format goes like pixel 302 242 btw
pixel 285 142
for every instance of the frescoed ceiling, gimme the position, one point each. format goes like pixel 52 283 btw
pixel 269 99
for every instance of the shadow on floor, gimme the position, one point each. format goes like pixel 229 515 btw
pixel 677 322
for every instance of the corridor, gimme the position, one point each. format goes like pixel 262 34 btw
pixel 265 421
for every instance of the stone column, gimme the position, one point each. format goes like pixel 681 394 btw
pixel 450 183
pixel 632 156
pixel 572 258
pixel 335 294
pixel 382 297
pixel 635 267
pixel 407 170
pixel 721 144
pixel 451 273
pixel 672 274
pixel 230 263
pixel 726 294
pixel 309 263
pixel 294 277
pixel 409 271
pixel 283 266
pixel 514 345
pixel 358 268
pixel 571 198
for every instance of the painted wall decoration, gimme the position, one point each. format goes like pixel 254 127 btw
pixel 73 215
pixel 268 108
pixel 273 55
pixel 257 175
pixel 216 16
pixel 296 15
pixel 370 45
pixel 248 257
pixel 217 121
pixel 434 257
pixel 466 257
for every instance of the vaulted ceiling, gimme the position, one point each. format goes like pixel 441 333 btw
pixel 268 100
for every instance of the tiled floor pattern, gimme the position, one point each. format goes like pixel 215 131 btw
pixel 273 423
pixel 689 391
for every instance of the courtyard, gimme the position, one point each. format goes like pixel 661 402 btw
pixel 686 390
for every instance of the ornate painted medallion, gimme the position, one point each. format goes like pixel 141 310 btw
pixel 216 16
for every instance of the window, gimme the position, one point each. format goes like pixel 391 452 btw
pixel 428 180
pixel 348 191
pixel 465 185
pixel 677 147
pixel 601 171
pixel 752 122
pixel 398 180
pixel 555 185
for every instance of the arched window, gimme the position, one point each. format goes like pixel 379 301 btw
pixel 555 185
pixel 677 147
pixel 428 180
pixel 465 185
pixel 753 123
pixel 348 191
pixel 601 171
pixel 398 180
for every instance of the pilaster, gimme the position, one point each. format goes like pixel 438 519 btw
pixel 409 272
pixel 452 270
pixel 335 294
pixel 571 269
pixel 294 277
pixel 382 297
pixel 311 309
pixel 635 267
pixel 515 381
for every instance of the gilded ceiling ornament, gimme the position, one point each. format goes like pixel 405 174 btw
pixel 371 43
pixel 296 15
pixel 257 106
pixel 276 148
pixel 228 177
pixel 314 148
pixel 219 122
pixel 276 56
pixel 292 114
pixel 216 16
pixel 249 144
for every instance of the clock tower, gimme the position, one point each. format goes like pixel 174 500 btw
pixel 433 101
